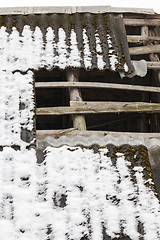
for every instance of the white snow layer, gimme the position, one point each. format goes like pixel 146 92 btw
pixel 30 51
pixel 16 106
pixel 100 62
pixel 31 205
pixel 113 57
pixel 87 53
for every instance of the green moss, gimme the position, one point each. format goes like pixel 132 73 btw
pixel 137 156
pixel 103 147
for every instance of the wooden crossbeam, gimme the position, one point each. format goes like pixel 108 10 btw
pixel 98 85
pixel 153 65
pixel 100 107
pixel 144 49
pixel 141 22
pixel 140 39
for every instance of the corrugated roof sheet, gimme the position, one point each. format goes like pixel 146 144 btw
pixel 79 140
pixel 62 40
pixel 76 194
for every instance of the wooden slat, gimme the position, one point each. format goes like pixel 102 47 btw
pixel 140 39
pixel 144 49
pixel 99 84
pixel 100 107
pixel 153 65
pixel 141 22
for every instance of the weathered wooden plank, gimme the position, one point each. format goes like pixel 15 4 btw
pixel 140 39
pixel 144 49
pixel 141 22
pixel 100 107
pixel 58 133
pixel 41 134
pixel 153 65
pixel 101 85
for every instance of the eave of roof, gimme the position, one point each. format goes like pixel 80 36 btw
pixel 72 9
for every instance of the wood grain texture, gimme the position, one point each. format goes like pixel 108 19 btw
pixel 100 107
pixel 142 22
pixel 75 95
pixel 140 39
pixel 144 49
pixel 101 85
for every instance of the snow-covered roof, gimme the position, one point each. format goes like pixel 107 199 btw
pixel 76 193
pixel 31 42
pixel 73 193
pixel 16 106
pixel 63 40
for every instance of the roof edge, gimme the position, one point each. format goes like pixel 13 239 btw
pixel 72 9
pixel 118 139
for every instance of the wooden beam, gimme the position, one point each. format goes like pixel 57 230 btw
pixel 144 31
pixel 144 121
pixel 141 22
pixel 41 134
pixel 153 65
pixel 75 95
pixel 144 49
pixel 100 107
pixel 101 85
pixel 140 39
pixel 154 118
pixel 153 57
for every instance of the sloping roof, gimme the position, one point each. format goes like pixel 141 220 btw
pixel 64 40
pixel 75 193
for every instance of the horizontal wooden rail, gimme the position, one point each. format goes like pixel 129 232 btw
pixel 153 65
pixel 140 39
pixel 144 49
pixel 100 107
pixel 141 22
pixel 97 85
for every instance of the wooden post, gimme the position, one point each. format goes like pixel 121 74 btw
pixel 155 118
pixel 144 32
pixel 75 95
pixel 144 122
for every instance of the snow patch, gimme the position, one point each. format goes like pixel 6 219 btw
pixel 87 53
pixel 75 57
pixel 100 62
pixel 113 58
